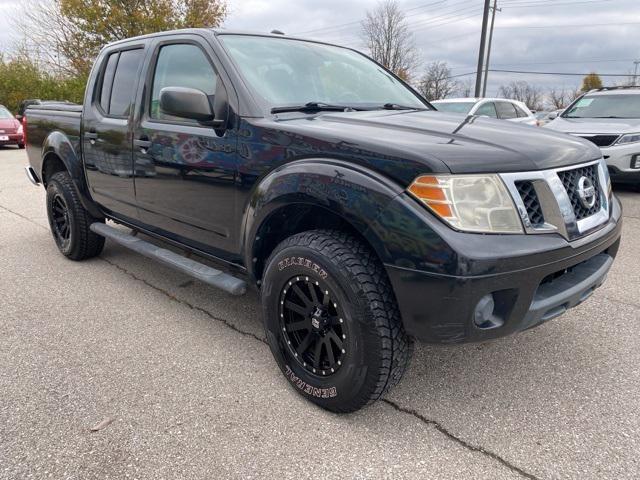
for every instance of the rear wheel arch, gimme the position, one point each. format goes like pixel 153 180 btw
pixel 59 155
pixel 51 164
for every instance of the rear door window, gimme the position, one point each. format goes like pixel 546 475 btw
pixel 107 81
pixel 521 113
pixel 488 110
pixel 506 110
pixel 125 80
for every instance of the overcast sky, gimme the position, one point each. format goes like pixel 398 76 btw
pixel 535 35
pixel 538 35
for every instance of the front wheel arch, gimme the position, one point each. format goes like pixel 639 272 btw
pixel 335 194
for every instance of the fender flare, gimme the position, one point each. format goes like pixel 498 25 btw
pixel 59 144
pixel 354 193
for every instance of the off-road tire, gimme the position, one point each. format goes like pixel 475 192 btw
pixel 81 243
pixel 377 348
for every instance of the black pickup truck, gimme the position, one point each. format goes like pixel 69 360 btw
pixel 364 217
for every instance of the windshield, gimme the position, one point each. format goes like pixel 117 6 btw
pixel 605 106
pixel 292 72
pixel 4 113
pixel 454 107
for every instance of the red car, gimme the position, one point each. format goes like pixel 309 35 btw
pixel 11 132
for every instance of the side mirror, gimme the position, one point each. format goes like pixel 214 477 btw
pixel 553 116
pixel 188 103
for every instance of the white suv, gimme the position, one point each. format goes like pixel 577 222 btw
pixel 503 108
pixel 610 118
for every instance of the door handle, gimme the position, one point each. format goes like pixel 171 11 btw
pixel 142 143
pixel 92 137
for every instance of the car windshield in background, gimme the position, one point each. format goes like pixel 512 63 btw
pixel 287 72
pixel 605 106
pixel 4 113
pixel 454 107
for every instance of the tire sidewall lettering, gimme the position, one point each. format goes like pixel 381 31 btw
pixel 297 261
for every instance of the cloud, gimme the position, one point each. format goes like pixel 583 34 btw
pixel 530 35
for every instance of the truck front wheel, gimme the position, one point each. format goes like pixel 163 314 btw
pixel 69 221
pixel 331 320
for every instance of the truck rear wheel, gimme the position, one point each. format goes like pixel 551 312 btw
pixel 69 221
pixel 332 321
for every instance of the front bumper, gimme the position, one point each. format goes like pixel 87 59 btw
pixel 621 160
pixel 527 283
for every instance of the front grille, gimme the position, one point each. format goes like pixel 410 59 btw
pixel 531 202
pixel 601 140
pixel 570 179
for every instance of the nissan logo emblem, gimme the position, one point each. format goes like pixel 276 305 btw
pixel 586 192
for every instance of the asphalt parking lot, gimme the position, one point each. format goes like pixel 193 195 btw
pixel 182 373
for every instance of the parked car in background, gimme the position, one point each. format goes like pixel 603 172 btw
pixel 545 117
pixel 540 117
pixel 10 129
pixel 610 118
pixel 548 117
pixel 503 108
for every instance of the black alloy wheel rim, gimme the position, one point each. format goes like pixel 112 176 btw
pixel 60 219
pixel 313 325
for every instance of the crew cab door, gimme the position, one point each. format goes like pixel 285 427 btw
pixel 185 171
pixel 107 129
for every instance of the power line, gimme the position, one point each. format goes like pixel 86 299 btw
pixel 617 24
pixel 551 3
pixel 354 22
pixel 572 74
pixel 561 73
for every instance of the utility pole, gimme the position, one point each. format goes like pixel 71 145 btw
pixel 635 72
pixel 486 66
pixel 483 40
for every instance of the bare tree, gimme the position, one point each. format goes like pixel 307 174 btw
pixel 388 38
pixel 436 83
pixel 558 98
pixel 465 88
pixel 522 91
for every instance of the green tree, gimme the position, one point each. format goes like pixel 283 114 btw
pixel 21 78
pixel 590 82
pixel 68 34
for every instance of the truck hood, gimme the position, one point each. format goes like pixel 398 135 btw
pixel 438 142
pixel 611 126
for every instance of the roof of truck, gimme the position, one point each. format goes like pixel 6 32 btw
pixel 217 31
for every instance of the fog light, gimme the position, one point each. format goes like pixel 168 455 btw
pixel 484 315
pixel 635 161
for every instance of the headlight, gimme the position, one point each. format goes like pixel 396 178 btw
pixel 471 203
pixel 19 131
pixel 628 138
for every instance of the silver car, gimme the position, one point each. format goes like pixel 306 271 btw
pixel 503 108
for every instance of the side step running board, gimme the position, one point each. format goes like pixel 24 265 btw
pixel 198 270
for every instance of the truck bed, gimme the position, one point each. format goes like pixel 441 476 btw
pixel 53 123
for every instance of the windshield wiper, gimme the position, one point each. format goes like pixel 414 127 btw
pixel 395 106
pixel 313 107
